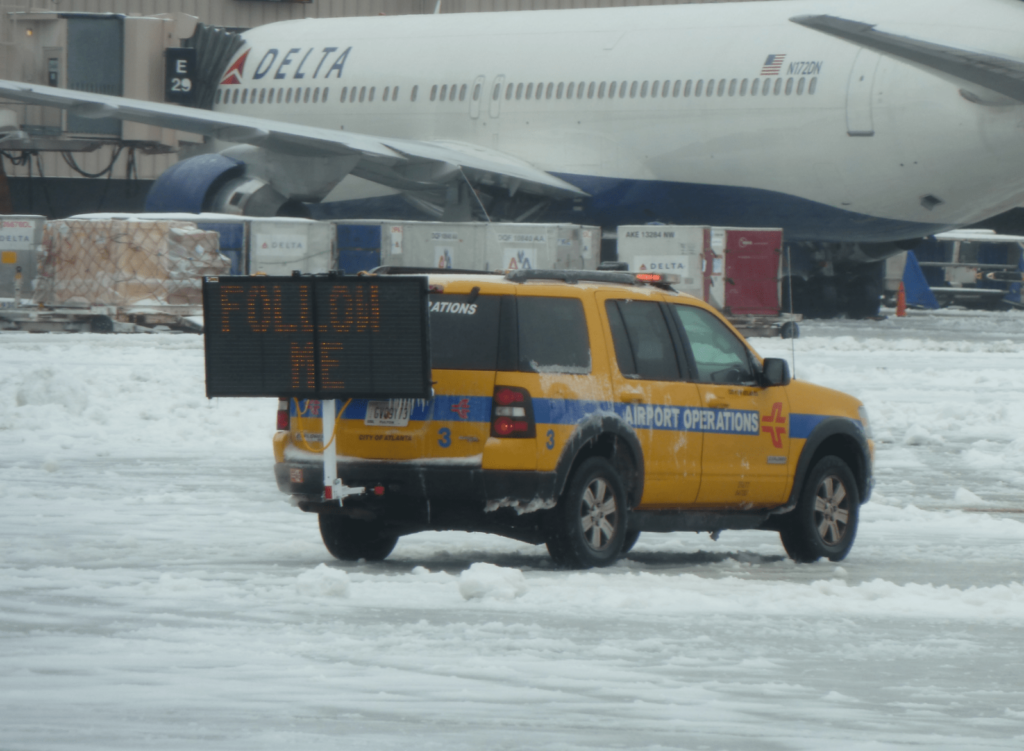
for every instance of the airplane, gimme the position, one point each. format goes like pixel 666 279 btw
pixel 858 126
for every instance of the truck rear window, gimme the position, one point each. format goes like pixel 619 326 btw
pixel 464 332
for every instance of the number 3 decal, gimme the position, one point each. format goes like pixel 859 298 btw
pixel 551 440
pixel 446 438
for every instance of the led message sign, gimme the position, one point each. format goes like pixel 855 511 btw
pixel 324 337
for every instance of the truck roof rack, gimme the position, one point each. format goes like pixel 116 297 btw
pixel 569 276
pixel 390 270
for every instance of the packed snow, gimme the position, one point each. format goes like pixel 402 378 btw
pixel 159 592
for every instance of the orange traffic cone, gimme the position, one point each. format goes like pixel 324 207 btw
pixel 901 302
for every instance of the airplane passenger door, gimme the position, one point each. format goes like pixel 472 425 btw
pixel 496 89
pixel 475 96
pixel 860 119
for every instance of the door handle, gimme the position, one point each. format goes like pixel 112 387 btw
pixel 631 397
pixel 718 404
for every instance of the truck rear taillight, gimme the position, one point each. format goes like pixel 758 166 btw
pixel 512 413
pixel 283 422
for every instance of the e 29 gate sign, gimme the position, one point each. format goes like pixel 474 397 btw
pixel 321 337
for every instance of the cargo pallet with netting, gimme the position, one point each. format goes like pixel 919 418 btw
pixel 114 275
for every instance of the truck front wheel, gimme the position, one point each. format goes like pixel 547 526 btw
pixel 824 522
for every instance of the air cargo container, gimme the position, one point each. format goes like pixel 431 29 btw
pixel 278 246
pixel 364 244
pixel 668 249
pixel 744 271
pixel 20 238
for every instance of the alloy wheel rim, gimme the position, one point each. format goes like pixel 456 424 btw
pixel 832 510
pixel 598 514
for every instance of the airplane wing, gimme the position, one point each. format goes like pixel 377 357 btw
pixel 993 79
pixel 395 162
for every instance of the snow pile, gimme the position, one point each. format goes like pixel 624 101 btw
pixel 483 581
pixel 44 386
pixel 964 497
pixel 324 581
pixel 918 435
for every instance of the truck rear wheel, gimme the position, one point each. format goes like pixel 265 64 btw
pixel 588 526
pixel 351 539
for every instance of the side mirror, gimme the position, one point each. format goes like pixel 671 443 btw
pixel 775 372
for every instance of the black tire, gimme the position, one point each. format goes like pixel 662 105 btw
pixel 101 325
pixel 864 298
pixel 790 330
pixel 826 297
pixel 351 539
pixel 588 526
pixel 629 541
pixel 824 522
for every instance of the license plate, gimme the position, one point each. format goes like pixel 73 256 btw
pixel 393 413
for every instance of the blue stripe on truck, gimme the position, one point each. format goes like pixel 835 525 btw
pixel 458 408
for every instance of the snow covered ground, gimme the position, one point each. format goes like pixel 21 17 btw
pixel 157 592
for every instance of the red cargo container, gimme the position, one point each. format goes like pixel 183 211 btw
pixel 742 271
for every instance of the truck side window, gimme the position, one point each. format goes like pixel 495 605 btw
pixel 464 331
pixel 643 344
pixel 553 335
pixel 719 355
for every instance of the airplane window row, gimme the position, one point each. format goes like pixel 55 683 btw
pixel 456 91
pixel 364 94
pixel 768 85
pixel 654 89
pixel 270 96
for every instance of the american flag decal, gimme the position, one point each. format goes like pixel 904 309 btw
pixel 773 65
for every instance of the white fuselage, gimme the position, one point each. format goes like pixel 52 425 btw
pixel 837 140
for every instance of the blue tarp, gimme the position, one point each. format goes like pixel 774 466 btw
pixel 916 286
pixel 1013 296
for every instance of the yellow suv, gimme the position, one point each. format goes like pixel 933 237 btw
pixel 579 409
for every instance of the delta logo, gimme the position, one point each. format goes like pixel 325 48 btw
pixel 235 72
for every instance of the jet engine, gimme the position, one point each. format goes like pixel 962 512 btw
pixel 247 180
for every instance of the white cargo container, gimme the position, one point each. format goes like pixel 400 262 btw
pixel 279 246
pixel 20 238
pixel 484 246
pixel 542 246
pixel 670 249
